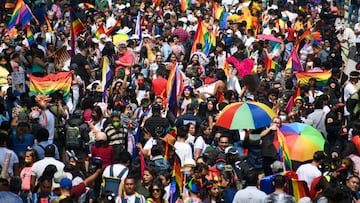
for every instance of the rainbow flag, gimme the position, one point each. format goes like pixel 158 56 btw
pixel 114 28
pixel 89 6
pixel 21 14
pixel 290 105
pixel 100 30
pixel 174 87
pixel 284 153
pixel 176 184
pixel 76 27
pixel 320 77
pixel 51 83
pixel 221 15
pixel 184 5
pixel 303 36
pixel 29 35
pixel 105 74
pixel 270 64
pixel 298 189
pixel 48 24
pixel 294 62
pixel 203 36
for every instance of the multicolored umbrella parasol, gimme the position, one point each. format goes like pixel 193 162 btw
pixel 302 141
pixel 245 115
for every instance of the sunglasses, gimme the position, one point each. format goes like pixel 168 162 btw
pixel 156 190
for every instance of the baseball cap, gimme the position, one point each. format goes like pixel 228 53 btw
pixel 231 150
pixel 66 183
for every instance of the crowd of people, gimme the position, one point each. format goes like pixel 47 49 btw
pixel 122 140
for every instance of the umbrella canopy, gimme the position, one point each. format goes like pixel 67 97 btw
pixel 269 37
pixel 302 141
pixel 356 140
pixel 245 115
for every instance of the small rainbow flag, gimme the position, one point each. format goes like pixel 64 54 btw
pixel 270 64
pixel 51 83
pixel 174 87
pixel 114 28
pixel 320 77
pixel 76 27
pixel 221 15
pixel 303 36
pixel 184 5
pixel 48 24
pixel 176 184
pixel 105 74
pixel 284 153
pixel 290 105
pixel 100 30
pixel 89 6
pixel 22 14
pixel 203 36
pixel 29 35
pixel 293 62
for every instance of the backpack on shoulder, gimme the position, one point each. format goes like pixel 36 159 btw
pixel 112 183
pixel 72 137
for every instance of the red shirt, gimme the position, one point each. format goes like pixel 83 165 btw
pixel 105 153
pixel 159 86
pixel 127 58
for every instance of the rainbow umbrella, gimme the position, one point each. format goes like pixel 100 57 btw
pixel 302 141
pixel 245 115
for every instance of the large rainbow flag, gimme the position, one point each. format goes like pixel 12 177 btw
pixel 320 77
pixel 51 83
pixel 203 36
pixel 21 14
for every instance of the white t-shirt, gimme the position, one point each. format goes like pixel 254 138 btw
pixel 13 159
pixel 184 151
pixel 349 90
pixel 149 144
pixel 200 144
pixel 357 28
pixel 117 168
pixel 39 166
pixel 307 173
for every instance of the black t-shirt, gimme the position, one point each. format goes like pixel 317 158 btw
pixel 80 60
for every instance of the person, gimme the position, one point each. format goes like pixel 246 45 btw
pixel 202 140
pixel 31 157
pixel 268 150
pixel 349 90
pixel 183 149
pixel 46 118
pixel 130 195
pixel 84 69
pixel 188 117
pixel 308 172
pixel 39 167
pixel 44 191
pixel 157 192
pixel 121 162
pixel 194 189
pixel 13 168
pixel 117 133
pixel 250 193
pixel 125 60
pixel 156 123
pixel 279 195
pixel 21 139
pixel 143 186
pixel 102 149
pixel 42 137
pixel 333 121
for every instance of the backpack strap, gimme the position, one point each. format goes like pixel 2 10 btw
pixel 122 172
pixel 111 171
pixel 42 147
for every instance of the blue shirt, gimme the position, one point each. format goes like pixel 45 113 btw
pixel 41 151
pixel 9 197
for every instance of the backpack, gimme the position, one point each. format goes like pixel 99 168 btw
pixel 112 183
pixel 72 137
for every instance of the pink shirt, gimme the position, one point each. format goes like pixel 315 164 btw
pixel 25 176
pixel 127 58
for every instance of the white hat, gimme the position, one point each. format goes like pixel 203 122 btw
pixel 125 30
pixel 146 35
pixel 102 36
pixel 94 40
pixel 122 6
pixel 81 5
pixel 108 39
pixel 183 19
pixel 127 5
pixel 229 32
pixel 157 36
pixel 58 176
pixel 190 162
pixel 134 36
